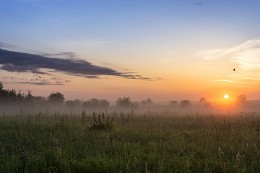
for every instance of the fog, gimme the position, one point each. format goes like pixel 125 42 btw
pixel 17 103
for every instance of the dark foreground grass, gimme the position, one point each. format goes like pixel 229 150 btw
pixel 137 143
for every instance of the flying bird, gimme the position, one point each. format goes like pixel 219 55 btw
pixel 234 69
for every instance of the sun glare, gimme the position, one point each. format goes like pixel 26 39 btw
pixel 226 96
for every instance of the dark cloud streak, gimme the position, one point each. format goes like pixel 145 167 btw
pixel 25 62
pixel 40 83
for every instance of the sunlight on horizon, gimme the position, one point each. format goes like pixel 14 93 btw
pixel 226 96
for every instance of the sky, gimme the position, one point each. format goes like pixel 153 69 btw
pixel 159 49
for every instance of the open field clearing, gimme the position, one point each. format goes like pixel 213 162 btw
pixel 128 142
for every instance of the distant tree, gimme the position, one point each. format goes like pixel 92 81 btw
pixel 29 97
pixel 56 98
pixel 7 96
pixel 147 102
pixel 134 104
pixel 1 86
pixel 20 96
pixel 185 103
pixel 92 103
pixel 173 102
pixel 72 104
pixel 3 92
pixel 95 103
pixel 11 96
pixel 103 103
pixel 241 99
pixel 86 104
pixel 202 101
pixel 39 100
pixel 124 102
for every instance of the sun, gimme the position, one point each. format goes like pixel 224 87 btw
pixel 226 96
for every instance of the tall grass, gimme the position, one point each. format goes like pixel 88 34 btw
pixel 136 143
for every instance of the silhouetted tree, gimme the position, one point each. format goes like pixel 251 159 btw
pixel 20 96
pixel 7 96
pixel 10 97
pixel 241 99
pixel 124 102
pixel 38 100
pixel 103 103
pixel 56 98
pixel 1 86
pixel 72 104
pixel 202 101
pixel 185 103
pixel 92 103
pixel 29 97
pixel 3 92
pixel 95 103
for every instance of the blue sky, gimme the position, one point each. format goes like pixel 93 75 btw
pixel 153 38
pixel 39 22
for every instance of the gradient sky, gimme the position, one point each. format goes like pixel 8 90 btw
pixel 162 49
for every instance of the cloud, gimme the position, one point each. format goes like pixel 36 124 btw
pixel 251 79
pixel 36 80
pixel 12 61
pixel 245 55
pixel 2 45
pixel 227 81
pixel 70 55
pixel 40 83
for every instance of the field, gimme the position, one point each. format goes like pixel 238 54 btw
pixel 130 142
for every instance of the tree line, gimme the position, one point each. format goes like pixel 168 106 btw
pixel 11 97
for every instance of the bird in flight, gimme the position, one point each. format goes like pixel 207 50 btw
pixel 234 69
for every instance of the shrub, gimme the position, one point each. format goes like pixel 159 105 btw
pixel 101 123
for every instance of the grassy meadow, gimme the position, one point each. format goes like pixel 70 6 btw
pixel 129 142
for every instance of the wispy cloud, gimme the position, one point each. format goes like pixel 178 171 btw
pixel 251 79
pixel 40 83
pixel 245 55
pixel 5 45
pixel 36 80
pixel 12 61
pixel 227 81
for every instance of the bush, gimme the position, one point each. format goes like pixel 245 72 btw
pixel 101 123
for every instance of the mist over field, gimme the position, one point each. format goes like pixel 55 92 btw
pixel 13 102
